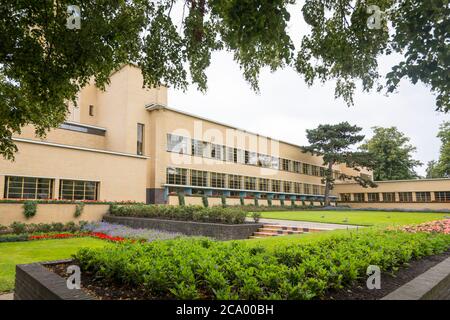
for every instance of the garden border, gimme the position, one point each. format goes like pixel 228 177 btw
pixel 219 231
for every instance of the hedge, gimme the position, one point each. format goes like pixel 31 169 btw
pixel 215 214
pixel 206 269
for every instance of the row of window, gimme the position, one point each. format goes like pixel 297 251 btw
pixel 180 144
pixel 42 188
pixel 439 196
pixel 198 178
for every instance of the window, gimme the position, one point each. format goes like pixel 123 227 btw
pixel 287 186
pixel 250 183
pixel 234 181
pixel 28 188
pixel 198 148
pixel 308 188
pixel 345 197
pixel 322 171
pixel 230 154
pixel 423 196
pixel 251 158
pixel 217 180
pixel 217 151
pixel 78 190
pixel 388 196
pixel 296 166
pixel 297 187
pixel 405 196
pixel 315 170
pixel 82 128
pixel 359 197
pixel 373 197
pixel 140 138
pixel 285 164
pixel 264 161
pixel 276 185
pixel 306 168
pixel 177 143
pixel 442 196
pixel 316 189
pixel 263 184
pixel 275 163
pixel 199 178
pixel 91 110
pixel 239 155
pixel 176 176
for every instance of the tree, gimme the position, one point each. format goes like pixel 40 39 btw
pixel 392 154
pixel 333 143
pixel 43 63
pixel 441 168
pixel 431 171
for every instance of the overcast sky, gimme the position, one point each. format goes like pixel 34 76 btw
pixel 286 106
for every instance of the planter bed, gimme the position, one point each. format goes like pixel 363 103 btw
pixel 219 231
pixel 48 281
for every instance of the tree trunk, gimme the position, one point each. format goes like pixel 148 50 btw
pixel 328 178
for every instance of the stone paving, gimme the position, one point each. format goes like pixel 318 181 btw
pixel 7 296
pixel 306 224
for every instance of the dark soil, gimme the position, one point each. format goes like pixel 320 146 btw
pixel 389 282
pixel 103 290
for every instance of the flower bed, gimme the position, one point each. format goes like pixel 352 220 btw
pixel 98 235
pixel 117 230
pixel 184 213
pixel 205 269
pixel 439 226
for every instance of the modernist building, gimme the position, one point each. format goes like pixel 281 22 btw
pixel 126 144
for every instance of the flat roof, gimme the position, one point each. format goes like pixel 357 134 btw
pixel 153 106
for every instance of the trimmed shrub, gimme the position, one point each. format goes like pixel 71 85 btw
pixel 256 202
pixel 205 201
pixel 311 203
pixel 79 207
pixel 18 227
pixel 256 216
pixel 181 200
pixel 13 237
pixel 206 269
pixel 269 201
pixel 292 203
pixel 241 200
pixel 303 203
pixel 282 202
pixel 187 213
pixel 29 209
pixel 224 201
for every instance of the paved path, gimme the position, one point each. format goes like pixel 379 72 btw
pixel 8 296
pixel 307 224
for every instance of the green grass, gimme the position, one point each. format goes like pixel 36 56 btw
pixel 362 218
pixel 12 253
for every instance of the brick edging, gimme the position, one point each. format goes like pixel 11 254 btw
pixel 433 284
pixel 36 282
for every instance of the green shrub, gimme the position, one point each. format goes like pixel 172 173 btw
pixel 187 213
pixel 205 201
pixel 256 202
pixel 311 203
pixel 282 202
pixel 206 269
pixel 181 200
pixel 292 203
pixel 79 207
pixel 224 201
pixel 269 201
pixel 29 209
pixel 321 203
pixel 256 216
pixel 13 237
pixel 303 203
pixel 18 227
pixel 241 200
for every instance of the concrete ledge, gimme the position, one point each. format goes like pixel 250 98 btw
pixel 433 284
pixel 214 230
pixel 35 282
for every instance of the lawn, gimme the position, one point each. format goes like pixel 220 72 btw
pixel 12 253
pixel 362 218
